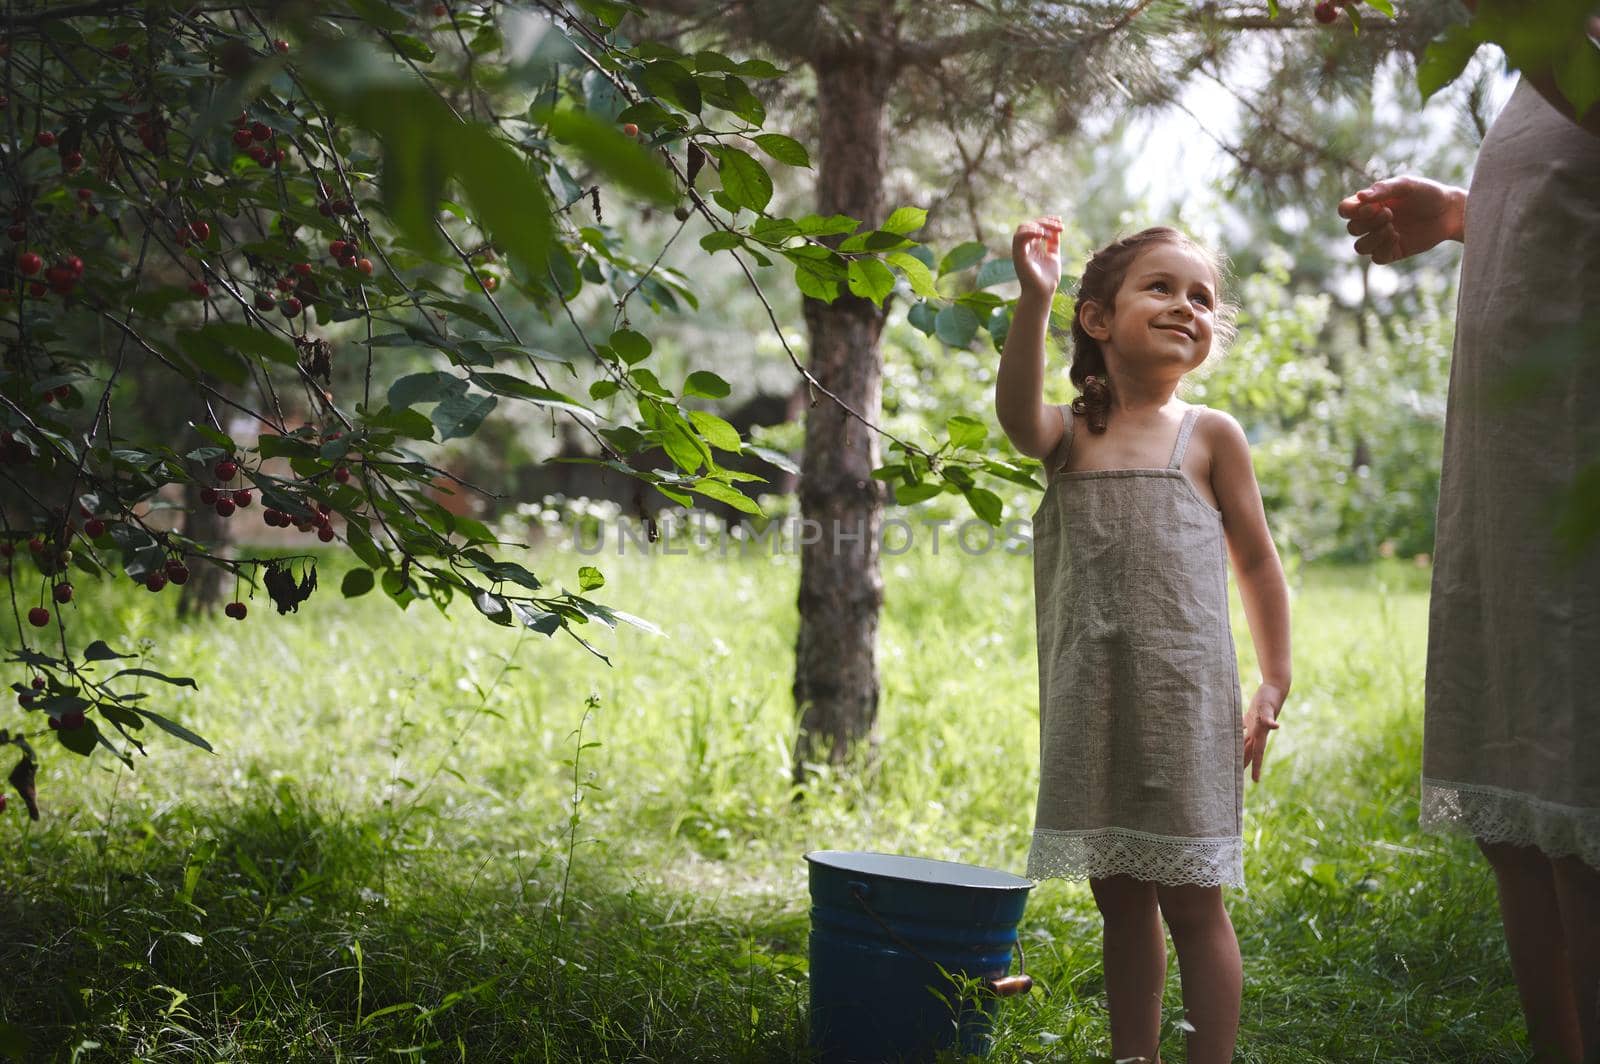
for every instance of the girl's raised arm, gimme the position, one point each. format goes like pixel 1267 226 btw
pixel 1033 428
pixel 1259 571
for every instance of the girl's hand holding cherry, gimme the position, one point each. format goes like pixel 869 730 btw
pixel 1036 253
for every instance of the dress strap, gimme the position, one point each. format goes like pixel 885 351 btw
pixel 1184 431
pixel 1058 456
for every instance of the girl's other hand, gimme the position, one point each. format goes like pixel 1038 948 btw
pixel 1036 253
pixel 1260 721
pixel 1399 217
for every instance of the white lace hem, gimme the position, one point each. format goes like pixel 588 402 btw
pixel 1164 859
pixel 1496 814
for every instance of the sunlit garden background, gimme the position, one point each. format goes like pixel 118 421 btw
pixel 421 835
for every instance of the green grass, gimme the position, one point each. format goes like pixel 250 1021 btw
pixel 380 862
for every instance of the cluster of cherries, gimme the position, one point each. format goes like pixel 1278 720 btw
pixel 256 139
pixel 1327 11
pixel 60 278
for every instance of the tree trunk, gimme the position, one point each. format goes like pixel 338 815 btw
pixel 841 506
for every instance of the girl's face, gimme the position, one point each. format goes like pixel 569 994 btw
pixel 1164 312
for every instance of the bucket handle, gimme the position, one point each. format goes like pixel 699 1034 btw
pixel 999 986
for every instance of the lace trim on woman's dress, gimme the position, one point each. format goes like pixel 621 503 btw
pixel 1496 814
pixel 1203 862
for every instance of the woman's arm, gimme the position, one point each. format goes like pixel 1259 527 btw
pixel 1033 428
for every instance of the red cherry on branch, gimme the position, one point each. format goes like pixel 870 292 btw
pixel 200 230
pixel 365 266
pixel 200 290
pixel 62 592
pixel 337 248
pixel 38 616
pixel 72 161
pixel 342 474
pixel 208 496
pixel 236 610
pixel 260 130
pixel 1325 12
pixel 226 469
pixel 224 507
pixel 325 533
pixel 242 498
pixel 120 50
pixel 44 138
pixel 176 571
pixel 629 129
pixel 302 268
pixel 292 307
pixel 242 138
pixel 155 581
pixel 282 47
pixel 29 263
pixel 94 528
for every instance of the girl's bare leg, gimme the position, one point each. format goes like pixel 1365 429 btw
pixel 1208 963
pixel 1578 893
pixel 1536 940
pixel 1135 960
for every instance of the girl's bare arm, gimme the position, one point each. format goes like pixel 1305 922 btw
pixel 1033 428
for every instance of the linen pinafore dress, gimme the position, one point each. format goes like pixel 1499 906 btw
pixel 1141 742
pixel 1511 732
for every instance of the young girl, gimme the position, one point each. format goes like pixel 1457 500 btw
pixel 1142 747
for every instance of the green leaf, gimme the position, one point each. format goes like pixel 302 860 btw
pixel 715 431
pixel 517 388
pixel 910 494
pixel 632 347
pixel 744 179
pixel 704 383
pixel 673 83
pixel 832 225
pixel 99 651
pixel 411 47
pixel 870 279
pixel 721 240
pixel 1383 5
pixel 921 316
pixel 956 325
pixel 816 275
pixel 209 356
pixel 590 578
pixel 357 582
pixel 506 196
pixel 606 148
pixel 786 150
pixel 1446 58
pixel 433 387
pixel 604 389
pixel 460 415
pixel 985 503
pixel 493 607
pixel 251 340
pixel 962 256
pixel 715 489
pixel 905 220
pixel 80 740
pixel 917 275
pixel 176 681
pixel 172 727
pixel 965 431
pixel 996 271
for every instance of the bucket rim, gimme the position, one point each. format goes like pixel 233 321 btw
pixel 933 871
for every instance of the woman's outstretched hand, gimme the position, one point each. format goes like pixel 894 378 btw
pixel 1260 721
pixel 1399 217
pixel 1036 253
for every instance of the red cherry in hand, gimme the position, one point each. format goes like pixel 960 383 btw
pixel 38 616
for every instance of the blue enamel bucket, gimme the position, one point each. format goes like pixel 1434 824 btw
pixel 882 928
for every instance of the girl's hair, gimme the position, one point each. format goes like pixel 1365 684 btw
pixel 1101 278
